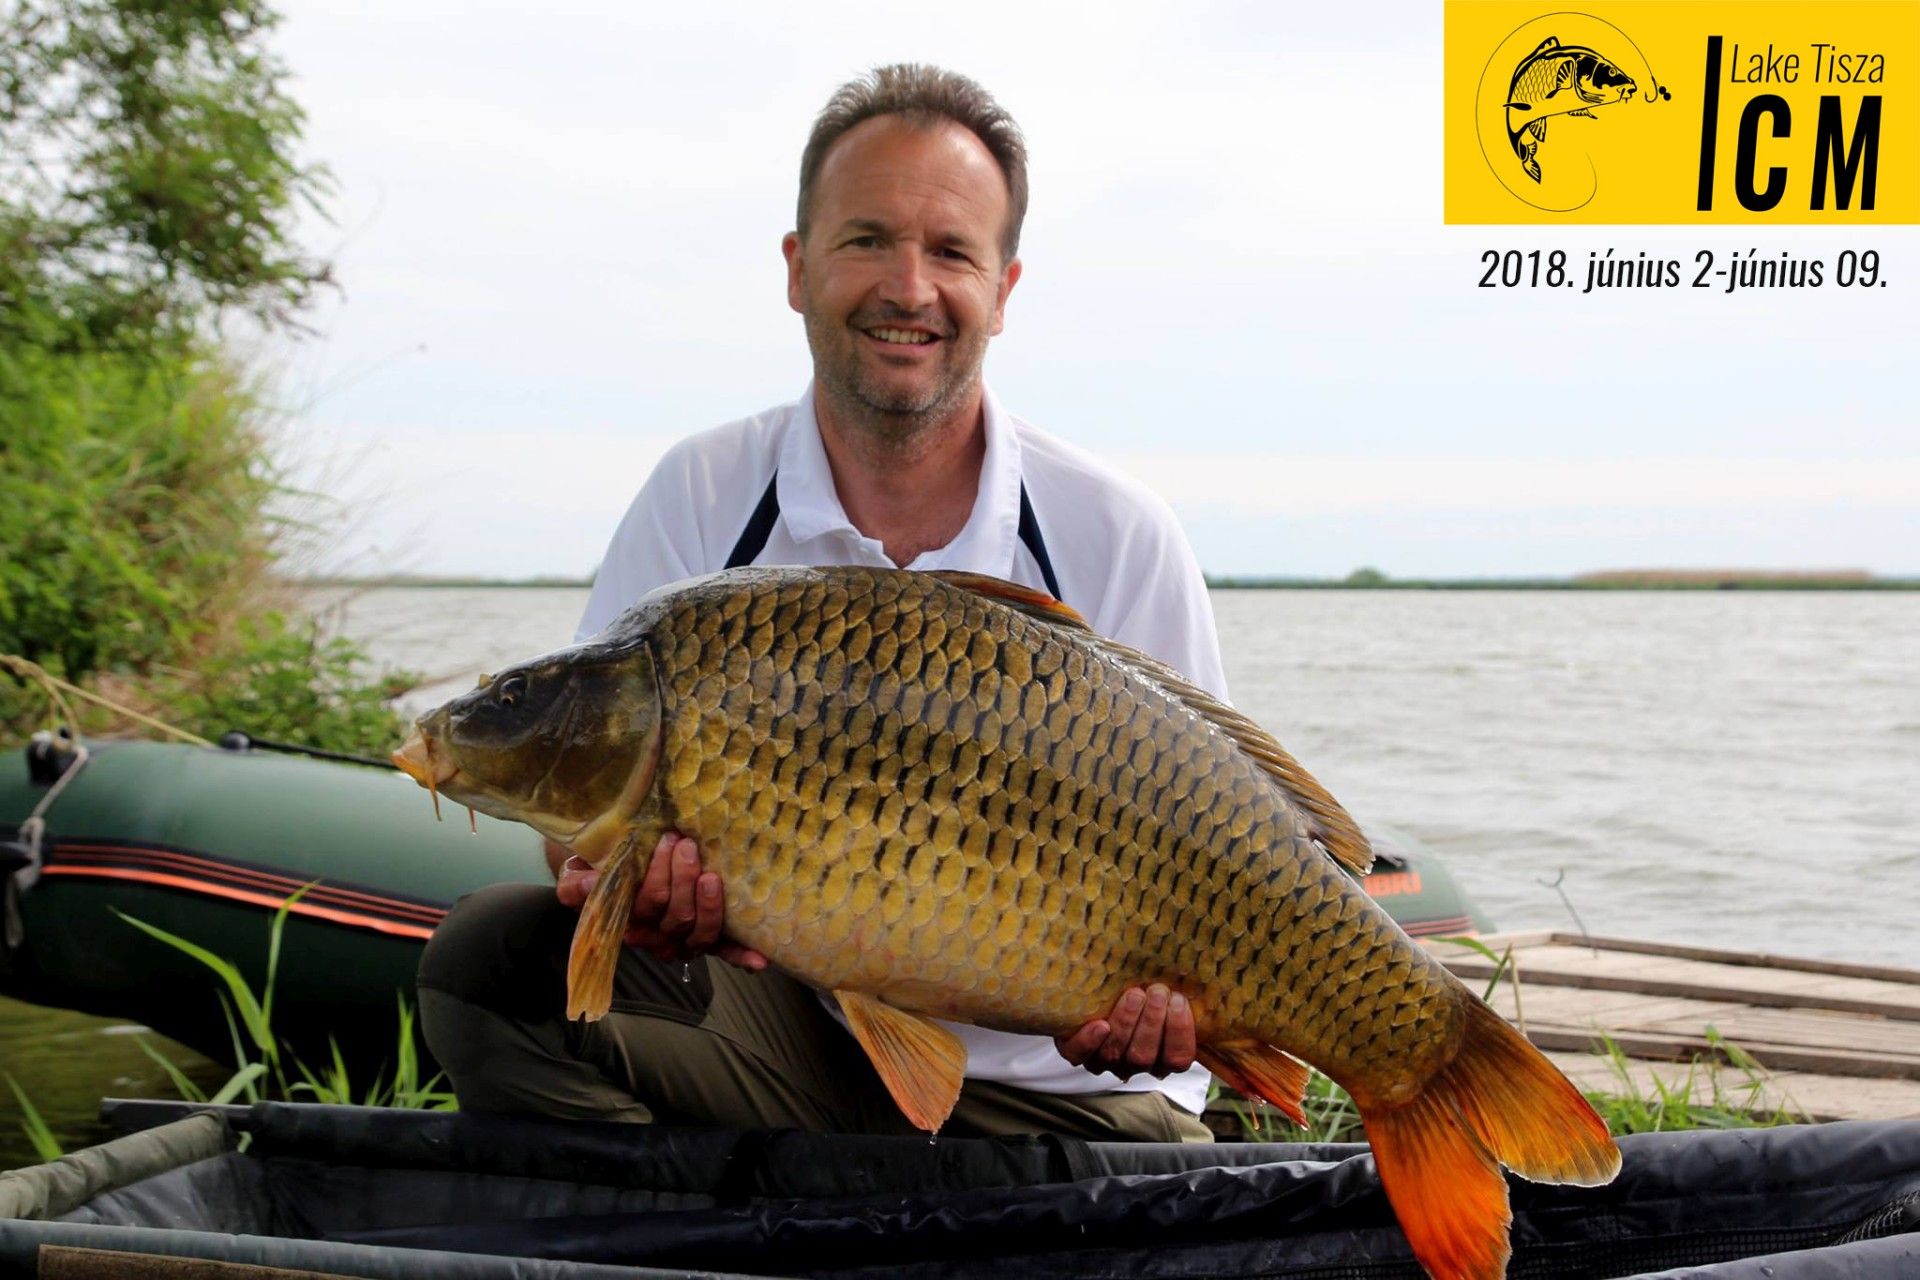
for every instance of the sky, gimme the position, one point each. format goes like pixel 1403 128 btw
pixel 557 239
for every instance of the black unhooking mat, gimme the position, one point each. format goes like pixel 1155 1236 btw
pixel 360 1192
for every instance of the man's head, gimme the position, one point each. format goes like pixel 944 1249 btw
pixel 912 191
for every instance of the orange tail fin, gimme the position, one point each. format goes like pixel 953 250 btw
pixel 1499 1102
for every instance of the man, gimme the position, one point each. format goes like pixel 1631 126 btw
pixel 912 192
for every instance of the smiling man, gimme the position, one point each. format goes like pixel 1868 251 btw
pixel 913 188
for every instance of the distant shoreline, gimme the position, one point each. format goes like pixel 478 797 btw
pixel 1650 581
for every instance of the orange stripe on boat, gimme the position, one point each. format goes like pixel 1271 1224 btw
pixel 301 908
pixel 236 870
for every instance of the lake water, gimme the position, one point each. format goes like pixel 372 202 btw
pixel 1737 769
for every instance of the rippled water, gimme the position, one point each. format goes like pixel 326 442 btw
pixel 1733 769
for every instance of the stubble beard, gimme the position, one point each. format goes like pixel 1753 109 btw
pixel 890 416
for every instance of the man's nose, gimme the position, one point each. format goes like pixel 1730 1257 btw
pixel 907 283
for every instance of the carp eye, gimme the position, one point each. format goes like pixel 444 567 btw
pixel 511 690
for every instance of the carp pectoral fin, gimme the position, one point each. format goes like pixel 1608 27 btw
pixel 1260 1071
pixel 597 938
pixel 921 1062
pixel 1439 1153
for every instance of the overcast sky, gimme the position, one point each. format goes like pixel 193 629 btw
pixel 558 236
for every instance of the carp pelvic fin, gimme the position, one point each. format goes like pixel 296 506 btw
pixel 1026 600
pixel 1260 1071
pixel 1439 1155
pixel 597 938
pixel 921 1062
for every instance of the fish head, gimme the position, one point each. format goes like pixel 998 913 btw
pixel 1599 82
pixel 566 743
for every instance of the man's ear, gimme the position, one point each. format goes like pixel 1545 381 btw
pixel 796 281
pixel 1008 278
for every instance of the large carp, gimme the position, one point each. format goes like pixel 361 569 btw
pixel 942 795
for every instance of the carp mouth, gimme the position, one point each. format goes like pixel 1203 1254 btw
pixel 415 759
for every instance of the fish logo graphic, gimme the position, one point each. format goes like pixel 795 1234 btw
pixel 1559 80
pixel 1567 65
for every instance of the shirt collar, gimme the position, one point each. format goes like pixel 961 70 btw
pixel 810 506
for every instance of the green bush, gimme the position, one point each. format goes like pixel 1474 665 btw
pixel 278 679
pixel 152 193
pixel 133 504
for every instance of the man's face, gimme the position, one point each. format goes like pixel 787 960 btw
pixel 900 278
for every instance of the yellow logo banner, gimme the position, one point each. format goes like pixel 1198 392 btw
pixel 1652 112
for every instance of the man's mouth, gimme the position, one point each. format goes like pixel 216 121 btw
pixel 901 337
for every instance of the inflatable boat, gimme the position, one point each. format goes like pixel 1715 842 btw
pixel 208 842
pixel 343 1191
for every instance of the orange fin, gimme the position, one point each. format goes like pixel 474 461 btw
pixel 921 1062
pixel 603 925
pixel 1327 822
pixel 1498 1102
pixel 1260 1071
pixel 1027 600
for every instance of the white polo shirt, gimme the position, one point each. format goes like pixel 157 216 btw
pixel 1116 551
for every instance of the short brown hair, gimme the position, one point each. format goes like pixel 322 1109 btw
pixel 923 95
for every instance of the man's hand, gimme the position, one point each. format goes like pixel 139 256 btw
pixel 678 911
pixel 1149 1030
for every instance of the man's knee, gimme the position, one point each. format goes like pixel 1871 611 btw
pixel 504 948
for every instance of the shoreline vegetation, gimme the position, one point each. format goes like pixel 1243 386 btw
pixel 1358 580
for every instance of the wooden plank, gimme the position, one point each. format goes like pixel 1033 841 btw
pixel 1800 1027
pixel 1775 1057
pixel 1554 966
pixel 1743 959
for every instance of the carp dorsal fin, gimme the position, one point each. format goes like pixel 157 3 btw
pixel 922 1063
pixel 1327 822
pixel 1027 600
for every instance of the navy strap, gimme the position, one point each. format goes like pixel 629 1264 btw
pixel 753 539
pixel 1030 534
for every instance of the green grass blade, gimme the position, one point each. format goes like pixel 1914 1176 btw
pixel 34 1125
pixel 252 1016
pixel 274 932
pixel 242 1080
pixel 188 1090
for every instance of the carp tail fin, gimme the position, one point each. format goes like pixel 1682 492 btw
pixel 1499 1102
pixel 597 938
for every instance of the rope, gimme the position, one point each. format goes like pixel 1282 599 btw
pixel 56 688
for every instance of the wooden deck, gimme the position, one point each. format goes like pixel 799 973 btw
pixel 1833 1041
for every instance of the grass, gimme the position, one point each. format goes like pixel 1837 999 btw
pixel 34 1125
pixel 268 1068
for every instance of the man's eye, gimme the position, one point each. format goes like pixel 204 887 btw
pixel 864 242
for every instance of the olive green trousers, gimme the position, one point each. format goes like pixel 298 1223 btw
pixel 703 1043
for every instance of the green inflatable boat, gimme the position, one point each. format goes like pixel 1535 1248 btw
pixel 208 842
